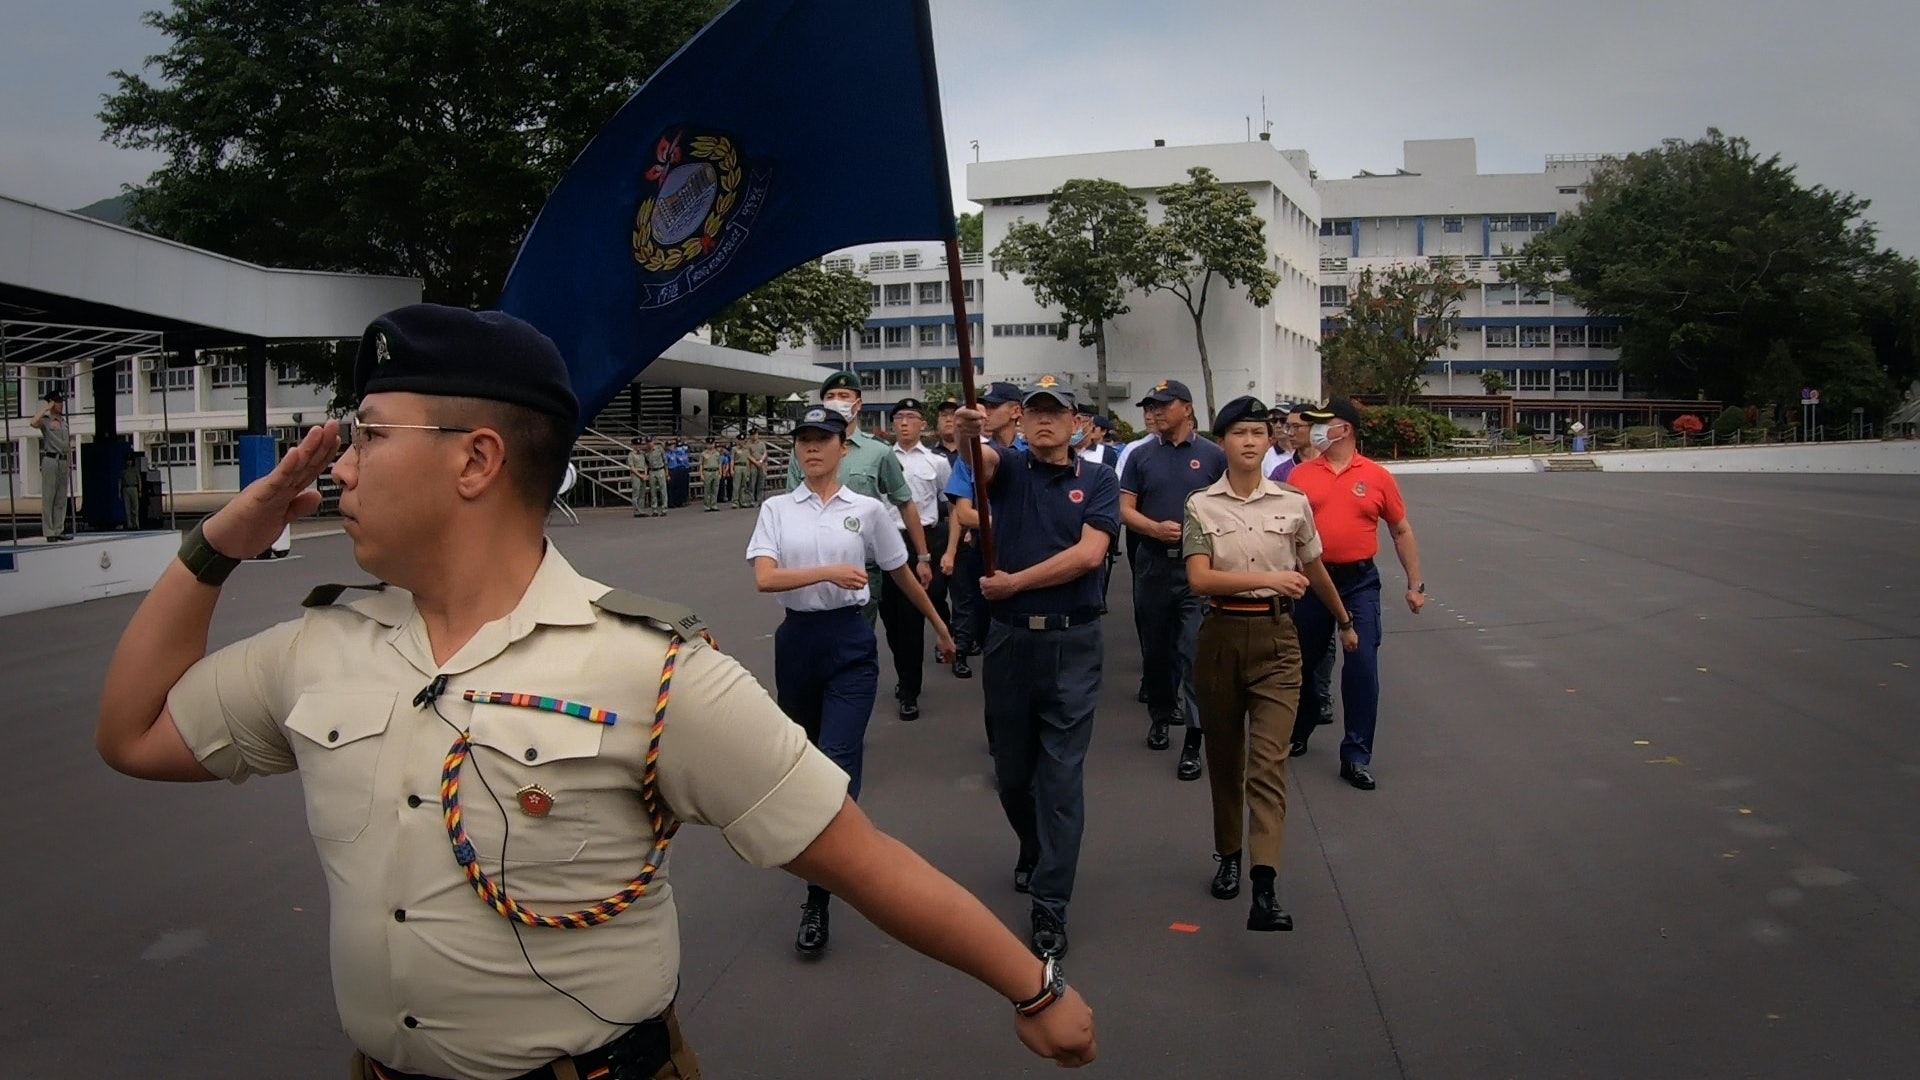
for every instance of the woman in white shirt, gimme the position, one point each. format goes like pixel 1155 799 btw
pixel 811 548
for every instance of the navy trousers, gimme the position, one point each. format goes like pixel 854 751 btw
pixel 826 672
pixel 1359 586
pixel 1168 613
pixel 969 625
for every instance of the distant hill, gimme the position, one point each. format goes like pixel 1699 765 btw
pixel 112 211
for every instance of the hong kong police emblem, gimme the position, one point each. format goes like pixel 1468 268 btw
pixel 700 200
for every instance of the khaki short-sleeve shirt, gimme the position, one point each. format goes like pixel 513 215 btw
pixel 1269 532
pixel 428 978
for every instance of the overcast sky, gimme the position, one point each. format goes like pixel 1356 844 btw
pixel 1832 86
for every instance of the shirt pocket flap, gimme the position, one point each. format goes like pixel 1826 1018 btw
pixel 333 719
pixel 534 736
pixel 1222 527
pixel 1281 524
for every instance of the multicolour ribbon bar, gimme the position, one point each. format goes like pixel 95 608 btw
pixel 545 704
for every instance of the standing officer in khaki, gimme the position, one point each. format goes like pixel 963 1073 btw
pixel 55 447
pixel 642 479
pixel 485 651
pixel 711 463
pixel 656 477
pixel 1251 550
pixel 749 470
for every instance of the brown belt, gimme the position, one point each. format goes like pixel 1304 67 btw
pixel 1250 607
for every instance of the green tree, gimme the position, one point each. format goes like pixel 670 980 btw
pixel 1736 281
pixel 418 137
pixel 1081 260
pixel 1494 382
pixel 808 301
pixel 1396 322
pixel 1207 231
pixel 972 228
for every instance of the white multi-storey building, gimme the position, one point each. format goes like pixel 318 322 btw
pixel 910 343
pixel 1560 363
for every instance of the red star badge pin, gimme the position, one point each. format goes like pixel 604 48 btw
pixel 535 801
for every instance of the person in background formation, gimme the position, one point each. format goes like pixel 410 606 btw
pixel 130 484
pixel 1351 495
pixel 56 441
pixel 642 478
pixel 947 445
pixel 726 472
pixel 1098 447
pixel 711 463
pixel 870 469
pixel 1153 499
pixel 486 663
pixel 963 563
pixel 656 456
pixel 679 473
pixel 927 474
pixel 1053 517
pixel 1292 444
pixel 1252 551
pixel 1130 540
pixel 812 549
pixel 750 470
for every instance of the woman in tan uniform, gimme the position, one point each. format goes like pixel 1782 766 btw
pixel 1251 549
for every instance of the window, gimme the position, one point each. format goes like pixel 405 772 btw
pixel 899 295
pixel 869 380
pixel 1603 337
pixel 896 337
pixel 1570 381
pixel 838 344
pixel 931 292
pixel 1453 224
pixel 229 376
pixel 1534 380
pixel 174 449
pixel 1543 298
pixel 224 447
pixel 1337 227
pixel 1606 382
pixel 286 438
pixel 1569 191
pixel 286 375
pixel 873 296
pixel 48 386
pixel 931 376
pixel 953 334
pixel 1570 337
pixel 1503 295
pixel 884 260
pixel 899 379
pixel 870 338
pixel 1519 222
pixel 1051 330
pixel 967 290
pixel 1500 337
pixel 169 380
pixel 10 458
pixel 837 262
pixel 123 377
pixel 10 397
pixel 910 261
pixel 1536 337
pixel 930 336
pixel 1333 296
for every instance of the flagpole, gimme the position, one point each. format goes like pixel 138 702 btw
pixel 956 288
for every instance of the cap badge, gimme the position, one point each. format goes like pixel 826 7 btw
pixel 1048 382
pixel 534 800
pixel 380 353
pixel 1162 386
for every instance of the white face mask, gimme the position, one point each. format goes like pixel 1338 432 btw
pixel 844 408
pixel 1318 436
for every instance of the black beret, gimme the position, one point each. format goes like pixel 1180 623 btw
pixel 1338 409
pixel 907 404
pixel 841 380
pixel 452 352
pixel 1239 410
pixel 949 405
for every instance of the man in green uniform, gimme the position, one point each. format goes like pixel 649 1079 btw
pixel 711 461
pixel 55 441
pixel 656 477
pixel 637 465
pixel 870 468
pixel 749 470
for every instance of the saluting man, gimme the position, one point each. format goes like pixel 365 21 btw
pixel 1155 483
pixel 486 663
pixel 55 447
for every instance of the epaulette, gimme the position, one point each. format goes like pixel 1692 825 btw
pixel 325 595
pixel 672 618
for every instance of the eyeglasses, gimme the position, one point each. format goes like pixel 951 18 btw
pixel 352 422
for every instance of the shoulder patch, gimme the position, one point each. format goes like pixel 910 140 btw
pixel 672 618
pixel 326 595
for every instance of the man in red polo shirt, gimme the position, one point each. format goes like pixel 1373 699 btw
pixel 1351 495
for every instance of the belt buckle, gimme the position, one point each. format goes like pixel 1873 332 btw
pixel 1037 622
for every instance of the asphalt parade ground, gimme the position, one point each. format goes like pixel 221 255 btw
pixel 1649 806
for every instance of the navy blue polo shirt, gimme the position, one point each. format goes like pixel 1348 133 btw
pixel 1038 511
pixel 1161 475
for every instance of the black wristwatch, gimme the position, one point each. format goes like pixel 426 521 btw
pixel 1420 588
pixel 1054 988
pixel 208 566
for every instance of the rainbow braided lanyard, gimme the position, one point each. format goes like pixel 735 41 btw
pixel 493 892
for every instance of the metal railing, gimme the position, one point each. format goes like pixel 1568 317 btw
pixel 1502 445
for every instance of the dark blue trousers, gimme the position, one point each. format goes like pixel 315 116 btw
pixel 1359 585
pixel 969 626
pixel 826 672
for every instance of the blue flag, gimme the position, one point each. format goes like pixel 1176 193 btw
pixel 784 130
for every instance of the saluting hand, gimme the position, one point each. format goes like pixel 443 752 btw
pixel 255 518
pixel 1064 1032
pixel 850 578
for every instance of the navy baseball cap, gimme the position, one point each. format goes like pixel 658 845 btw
pixel 1052 387
pixel 1338 409
pixel 1000 393
pixel 453 352
pixel 821 418
pixel 1165 391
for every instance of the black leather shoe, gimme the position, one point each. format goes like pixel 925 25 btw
pixel 909 708
pixel 1189 767
pixel 1157 736
pixel 1358 776
pixel 1022 879
pixel 1226 880
pixel 1141 697
pixel 1049 934
pixel 1326 715
pixel 1297 748
pixel 961 669
pixel 1266 914
pixel 812 939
